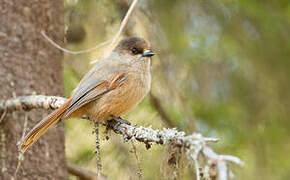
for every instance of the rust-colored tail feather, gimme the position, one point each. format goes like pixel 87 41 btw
pixel 41 127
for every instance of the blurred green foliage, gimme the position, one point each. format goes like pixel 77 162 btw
pixel 221 66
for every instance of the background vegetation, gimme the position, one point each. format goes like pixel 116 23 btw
pixel 222 68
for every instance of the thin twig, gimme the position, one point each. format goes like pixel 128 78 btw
pixel 223 170
pixel 20 153
pixel 97 151
pixel 122 26
pixel 194 157
pixel 112 41
pixel 156 103
pixel 139 172
pixel 196 164
pixel 74 52
pixel 165 73
pixel 3 151
pixel 4 113
pixel 210 154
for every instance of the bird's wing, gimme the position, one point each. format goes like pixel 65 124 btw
pixel 94 84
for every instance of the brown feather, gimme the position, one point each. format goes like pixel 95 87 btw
pixel 116 80
pixel 43 125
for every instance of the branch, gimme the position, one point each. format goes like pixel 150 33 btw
pixel 27 103
pixel 195 144
pixel 110 41
pixel 156 103
pixel 83 173
pixel 122 26
pixel 74 52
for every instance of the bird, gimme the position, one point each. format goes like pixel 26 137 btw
pixel 110 89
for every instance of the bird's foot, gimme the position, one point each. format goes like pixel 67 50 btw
pixel 120 120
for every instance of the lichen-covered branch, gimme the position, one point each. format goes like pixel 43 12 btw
pixel 195 144
pixel 27 103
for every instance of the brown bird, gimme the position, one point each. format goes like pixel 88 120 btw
pixel 110 89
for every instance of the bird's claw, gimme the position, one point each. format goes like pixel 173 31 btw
pixel 120 120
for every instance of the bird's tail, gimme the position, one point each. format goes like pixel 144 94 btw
pixel 41 127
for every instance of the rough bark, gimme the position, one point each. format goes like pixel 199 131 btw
pixel 28 65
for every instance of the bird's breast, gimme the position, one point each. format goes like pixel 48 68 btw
pixel 123 98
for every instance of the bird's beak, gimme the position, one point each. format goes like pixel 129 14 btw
pixel 148 53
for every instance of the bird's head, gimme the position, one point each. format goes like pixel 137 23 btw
pixel 134 49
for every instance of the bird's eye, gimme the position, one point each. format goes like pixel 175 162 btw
pixel 134 51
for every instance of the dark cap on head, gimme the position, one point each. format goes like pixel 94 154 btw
pixel 133 45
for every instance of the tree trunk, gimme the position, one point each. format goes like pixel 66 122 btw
pixel 29 64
